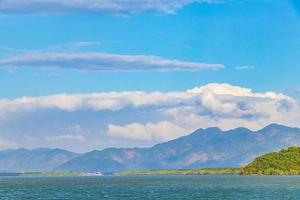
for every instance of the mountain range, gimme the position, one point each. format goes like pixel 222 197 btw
pixel 203 148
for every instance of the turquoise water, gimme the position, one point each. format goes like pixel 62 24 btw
pixel 151 187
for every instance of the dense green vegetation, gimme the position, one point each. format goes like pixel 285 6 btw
pixel 183 171
pixel 284 162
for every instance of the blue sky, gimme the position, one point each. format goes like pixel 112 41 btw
pixel 251 44
pixel 261 34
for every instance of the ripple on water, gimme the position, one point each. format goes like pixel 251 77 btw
pixel 151 187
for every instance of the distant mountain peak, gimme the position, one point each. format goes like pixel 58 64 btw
pixel 275 126
pixel 210 147
pixel 216 129
pixel 238 130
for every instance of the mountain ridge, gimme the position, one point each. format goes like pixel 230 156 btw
pixel 211 147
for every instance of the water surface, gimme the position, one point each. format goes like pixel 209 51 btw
pixel 151 187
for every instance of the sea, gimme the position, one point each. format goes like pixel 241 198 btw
pixel 206 187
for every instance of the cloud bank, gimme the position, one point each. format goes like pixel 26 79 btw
pixel 137 118
pixel 101 62
pixel 95 6
pixel 217 98
pixel 213 100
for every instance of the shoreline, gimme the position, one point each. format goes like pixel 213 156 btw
pixel 153 172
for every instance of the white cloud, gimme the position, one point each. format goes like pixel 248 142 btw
pixel 94 6
pixel 101 62
pixel 215 98
pixel 221 89
pixel 94 101
pixel 229 107
pixel 162 131
pixel 67 137
pixel 157 116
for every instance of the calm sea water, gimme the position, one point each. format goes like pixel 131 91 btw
pixel 151 187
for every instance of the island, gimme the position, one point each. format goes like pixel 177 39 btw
pixel 284 162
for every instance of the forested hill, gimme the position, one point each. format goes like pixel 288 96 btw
pixel 284 162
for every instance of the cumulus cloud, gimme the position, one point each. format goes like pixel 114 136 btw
pixel 162 131
pixel 215 104
pixel 137 118
pixel 222 98
pixel 224 89
pixel 228 106
pixel 94 6
pixel 94 101
pixel 101 62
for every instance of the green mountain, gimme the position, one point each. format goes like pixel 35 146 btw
pixel 284 162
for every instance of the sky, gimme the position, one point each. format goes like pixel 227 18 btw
pixel 84 75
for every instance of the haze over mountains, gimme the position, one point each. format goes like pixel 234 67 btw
pixel 210 147
pixel 41 159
